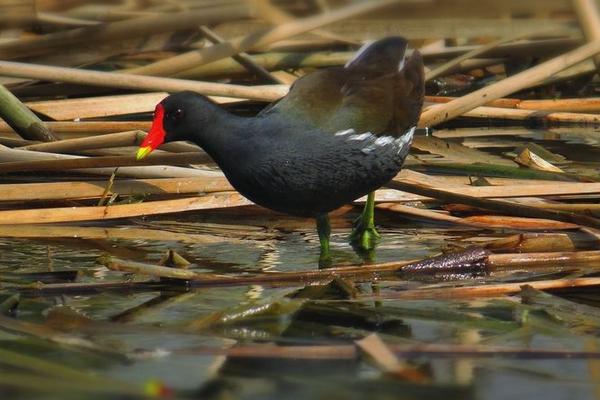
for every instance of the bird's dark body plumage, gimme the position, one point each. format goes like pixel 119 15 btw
pixel 339 134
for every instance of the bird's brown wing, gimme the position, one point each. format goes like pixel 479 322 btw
pixel 378 91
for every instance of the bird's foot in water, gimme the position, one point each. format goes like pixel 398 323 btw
pixel 325 260
pixel 364 236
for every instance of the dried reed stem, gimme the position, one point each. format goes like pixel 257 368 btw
pixel 131 81
pixel 440 113
pixel 260 38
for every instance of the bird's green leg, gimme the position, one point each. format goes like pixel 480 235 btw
pixel 364 233
pixel 324 231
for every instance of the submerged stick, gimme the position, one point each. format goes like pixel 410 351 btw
pixel 493 290
pixel 349 352
pixel 473 258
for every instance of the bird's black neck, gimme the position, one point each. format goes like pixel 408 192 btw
pixel 220 133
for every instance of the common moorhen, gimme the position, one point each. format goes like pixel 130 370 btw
pixel 338 134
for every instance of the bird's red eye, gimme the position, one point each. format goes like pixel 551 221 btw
pixel 177 114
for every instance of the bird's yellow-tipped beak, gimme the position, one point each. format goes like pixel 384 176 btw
pixel 143 152
pixel 156 135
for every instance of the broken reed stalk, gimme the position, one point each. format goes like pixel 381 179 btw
pixel 102 213
pixel 519 223
pixel 57 19
pixel 509 208
pixel 543 116
pixel 148 83
pixel 269 61
pixel 74 190
pixel 107 141
pixel 131 138
pixel 89 127
pixel 242 58
pixel 112 233
pixel 126 187
pixel 424 214
pixel 163 171
pixel 457 152
pixel 481 222
pixel 12 142
pixel 228 67
pixel 573 105
pixel 534 47
pixel 524 190
pixel 276 16
pixel 450 65
pixel 107 32
pixel 153 270
pixel 589 19
pixel 527 242
pixel 542 259
pixel 103 161
pixel 21 119
pixel 575 207
pixel 444 112
pixel 260 38
pixel 502 171
pixel 103 106
pixel 99 106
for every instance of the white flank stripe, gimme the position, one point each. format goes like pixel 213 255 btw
pixel 342 133
pixel 405 139
pixel 384 140
pixel 401 64
pixel 362 136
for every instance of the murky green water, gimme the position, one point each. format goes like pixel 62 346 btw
pixel 131 343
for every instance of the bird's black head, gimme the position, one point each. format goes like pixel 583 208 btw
pixel 180 116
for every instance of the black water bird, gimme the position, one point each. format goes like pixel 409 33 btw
pixel 339 134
